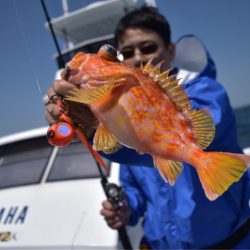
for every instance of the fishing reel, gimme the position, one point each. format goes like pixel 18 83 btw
pixel 116 196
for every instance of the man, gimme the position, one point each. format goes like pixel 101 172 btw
pixel 179 216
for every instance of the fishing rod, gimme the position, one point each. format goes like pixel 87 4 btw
pixel 61 134
pixel 61 61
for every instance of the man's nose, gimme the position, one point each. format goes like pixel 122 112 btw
pixel 138 58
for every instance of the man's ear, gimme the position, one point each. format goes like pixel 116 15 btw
pixel 171 51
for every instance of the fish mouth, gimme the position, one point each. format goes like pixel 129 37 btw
pixel 68 72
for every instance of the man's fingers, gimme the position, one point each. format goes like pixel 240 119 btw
pixel 107 205
pixel 50 118
pixel 112 217
pixel 108 213
pixel 62 87
pixel 114 222
pixel 116 225
pixel 51 92
pixel 54 110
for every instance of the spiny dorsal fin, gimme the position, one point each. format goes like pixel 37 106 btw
pixel 105 141
pixel 201 122
pixel 150 70
pixel 88 96
pixel 170 86
pixel 147 68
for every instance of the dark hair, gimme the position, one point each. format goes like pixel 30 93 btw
pixel 148 18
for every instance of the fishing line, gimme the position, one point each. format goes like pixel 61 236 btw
pixel 26 45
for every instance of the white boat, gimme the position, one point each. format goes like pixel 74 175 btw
pixel 50 197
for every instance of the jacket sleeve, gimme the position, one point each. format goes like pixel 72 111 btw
pixel 133 192
pixel 129 156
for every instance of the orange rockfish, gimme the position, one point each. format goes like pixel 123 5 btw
pixel 147 110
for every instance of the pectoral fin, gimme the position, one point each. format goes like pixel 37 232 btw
pixel 105 141
pixel 169 170
pixel 89 96
pixel 202 126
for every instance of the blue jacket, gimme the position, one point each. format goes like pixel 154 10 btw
pixel 181 216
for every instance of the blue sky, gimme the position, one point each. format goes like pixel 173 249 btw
pixel 27 51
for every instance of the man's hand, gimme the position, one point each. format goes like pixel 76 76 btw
pixel 53 111
pixel 80 113
pixel 115 218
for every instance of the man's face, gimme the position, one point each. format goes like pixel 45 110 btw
pixel 140 45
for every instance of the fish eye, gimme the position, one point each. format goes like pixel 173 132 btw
pixel 108 52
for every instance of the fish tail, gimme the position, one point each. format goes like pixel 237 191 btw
pixel 218 171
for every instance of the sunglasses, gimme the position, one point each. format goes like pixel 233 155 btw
pixel 145 49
